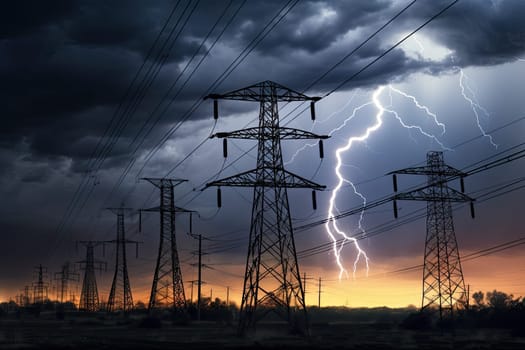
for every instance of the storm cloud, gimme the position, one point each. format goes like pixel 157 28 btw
pixel 90 88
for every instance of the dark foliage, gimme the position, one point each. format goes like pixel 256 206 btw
pixel 418 321
pixel 150 322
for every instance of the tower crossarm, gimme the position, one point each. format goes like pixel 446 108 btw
pixel 250 178
pixel 90 243
pixel 175 209
pixel 101 265
pixel 257 133
pixel 259 92
pixel 158 182
pixel 427 195
pixel 444 170
pixel 119 210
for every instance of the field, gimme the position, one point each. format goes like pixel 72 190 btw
pixel 80 332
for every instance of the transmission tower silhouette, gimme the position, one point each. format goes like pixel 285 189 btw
pixel 120 298
pixel 25 297
pixel 89 296
pixel 443 283
pixel 167 290
pixel 272 281
pixel 40 287
pixel 63 278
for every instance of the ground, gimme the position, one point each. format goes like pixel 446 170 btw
pixel 118 333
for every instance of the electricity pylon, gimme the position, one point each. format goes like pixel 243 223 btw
pixel 63 278
pixel 40 287
pixel 167 290
pixel 120 298
pixel 272 281
pixel 25 297
pixel 89 297
pixel 443 283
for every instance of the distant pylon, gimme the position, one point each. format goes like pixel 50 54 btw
pixel 25 298
pixel 89 296
pixel 120 298
pixel 443 283
pixel 167 290
pixel 63 278
pixel 272 281
pixel 40 287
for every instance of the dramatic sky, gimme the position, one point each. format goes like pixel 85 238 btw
pixel 96 95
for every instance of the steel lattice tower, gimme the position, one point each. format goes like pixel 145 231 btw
pixel 272 280
pixel 167 290
pixel 89 297
pixel 120 298
pixel 25 299
pixel 40 287
pixel 443 283
pixel 64 277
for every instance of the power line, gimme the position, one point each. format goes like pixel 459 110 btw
pixel 240 58
pixel 134 102
pixel 472 256
pixel 155 74
pixel 235 63
pixel 353 76
pixel 404 220
pixel 362 69
pixel 368 65
pixel 93 161
pixel 181 73
pixel 363 43
pixel 409 218
pixel 501 161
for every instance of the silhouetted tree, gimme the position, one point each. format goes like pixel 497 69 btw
pixel 478 298
pixel 139 305
pixel 499 300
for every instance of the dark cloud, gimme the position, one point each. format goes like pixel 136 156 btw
pixel 19 18
pixel 488 34
pixel 37 174
pixel 68 71
pixel 66 65
pixel 311 26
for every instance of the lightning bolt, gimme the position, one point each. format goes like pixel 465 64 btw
pixel 331 225
pixel 421 47
pixel 424 108
pixel 333 230
pixel 474 104
pixel 310 145
pixel 417 127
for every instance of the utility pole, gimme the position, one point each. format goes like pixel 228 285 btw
pixel 89 301
pixel 120 298
pixel 468 296
pixel 199 278
pixel 319 295
pixel 199 268
pixel 167 290
pixel 228 296
pixel 443 283
pixel 199 274
pixel 191 291
pixel 40 287
pixel 304 282
pixel 272 276
pixel 63 278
